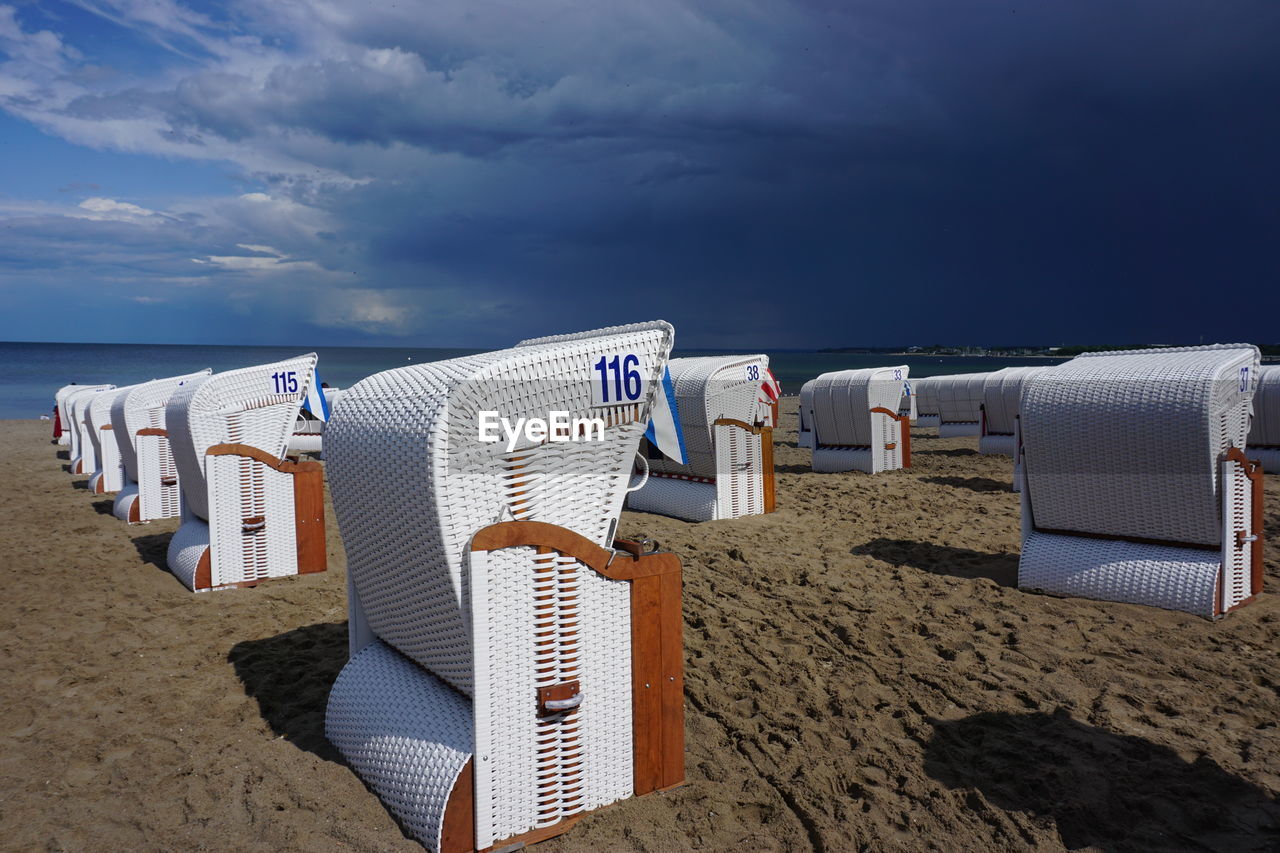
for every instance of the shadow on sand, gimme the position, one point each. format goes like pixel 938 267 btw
pixel 1102 790
pixel 154 549
pixel 943 559
pixel 290 675
pixel 976 484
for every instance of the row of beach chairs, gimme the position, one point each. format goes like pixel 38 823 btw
pixel 1135 480
pixel 515 665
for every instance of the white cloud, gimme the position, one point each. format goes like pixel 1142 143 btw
pixel 106 208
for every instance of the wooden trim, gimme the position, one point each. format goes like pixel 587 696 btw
pixel 105 426
pixel 153 431
pixel 754 430
pixel 1253 470
pixel 766 464
pixel 532 534
pixel 906 441
pixel 657 687
pixel 458 830
pixel 204 571
pixel 258 455
pixel 881 410
pixel 135 510
pixel 308 517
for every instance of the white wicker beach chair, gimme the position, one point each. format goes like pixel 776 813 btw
pixel 248 513
pixel 1264 433
pixel 108 472
pixel 926 401
pixel 959 400
pixel 83 458
pixel 1135 486
pixel 850 420
pixel 728 470
pixel 64 413
pixel 150 489
pixel 509 671
pixel 1001 426
pixel 308 430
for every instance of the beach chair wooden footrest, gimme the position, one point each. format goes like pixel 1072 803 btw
pixel 1113 570
pixel 128 504
pixel 998 445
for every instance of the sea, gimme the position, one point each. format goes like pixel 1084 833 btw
pixel 30 373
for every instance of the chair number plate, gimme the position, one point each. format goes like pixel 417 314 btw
pixel 285 382
pixel 616 380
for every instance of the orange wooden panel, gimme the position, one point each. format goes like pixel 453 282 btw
pixel 308 507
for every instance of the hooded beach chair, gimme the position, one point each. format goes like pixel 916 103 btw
pixel 959 401
pixel 108 472
pixel 1264 433
pixel 1000 433
pixel 850 420
pixel 248 513
pixel 510 671
pixel 64 414
pixel 1135 484
pixel 150 489
pixel 926 401
pixel 726 423
pixel 83 458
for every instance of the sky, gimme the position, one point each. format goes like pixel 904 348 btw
pixel 762 174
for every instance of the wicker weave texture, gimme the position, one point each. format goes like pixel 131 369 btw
pixel 411 481
pixel 187 546
pixel 122 506
pixel 405 732
pixel 840 403
pixel 1265 429
pixel 926 398
pixel 235 407
pixel 60 398
pixel 1129 444
pixel 1157 575
pixel 543 619
pixel 148 459
pixel 241 488
pixel 239 506
pixel 83 458
pixel 142 407
pixel 837 422
pixel 959 399
pixel 836 460
pixel 1001 393
pixel 709 389
pixel 108 475
pixel 687 499
pixel 997 445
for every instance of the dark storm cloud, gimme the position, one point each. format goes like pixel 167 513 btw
pixel 761 174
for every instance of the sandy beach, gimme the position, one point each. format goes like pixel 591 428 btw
pixel 860 675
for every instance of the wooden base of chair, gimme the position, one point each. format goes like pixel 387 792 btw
pixel 657 670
